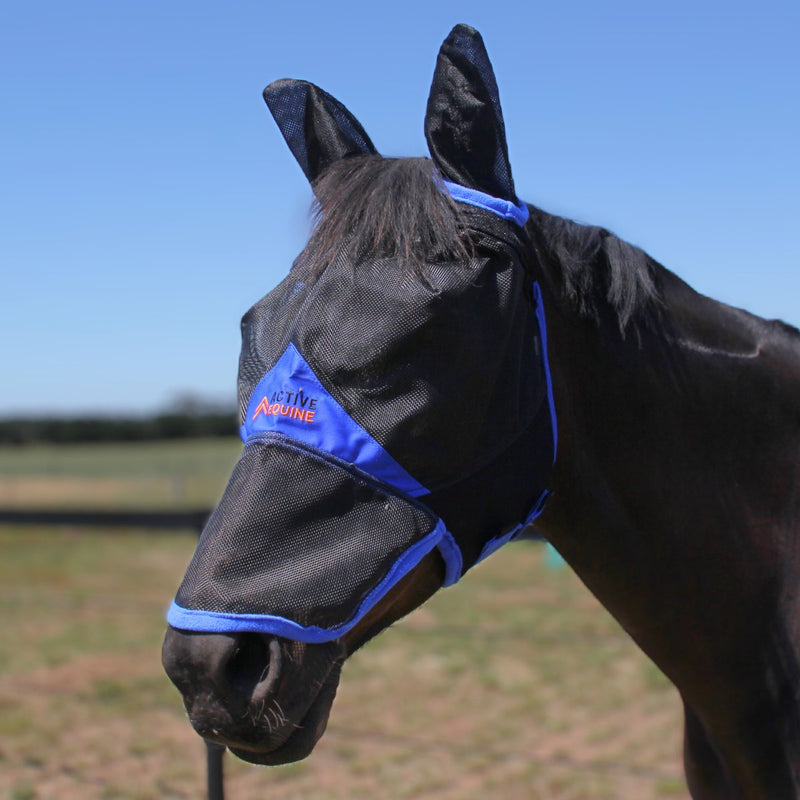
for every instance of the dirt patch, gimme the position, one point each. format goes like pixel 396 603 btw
pixel 96 738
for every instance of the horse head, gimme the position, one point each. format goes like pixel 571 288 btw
pixel 396 413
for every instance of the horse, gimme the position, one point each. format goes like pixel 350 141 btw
pixel 446 369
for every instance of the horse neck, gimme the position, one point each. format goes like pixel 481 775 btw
pixel 676 494
pixel 646 415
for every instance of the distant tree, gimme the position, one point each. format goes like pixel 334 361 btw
pixel 189 420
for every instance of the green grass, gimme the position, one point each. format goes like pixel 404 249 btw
pixel 514 682
pixel 68 593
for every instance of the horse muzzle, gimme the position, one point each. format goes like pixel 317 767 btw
pixel 239 691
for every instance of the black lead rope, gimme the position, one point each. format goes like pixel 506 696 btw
pixel 214 754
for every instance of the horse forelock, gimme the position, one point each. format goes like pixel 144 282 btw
pixel 384 207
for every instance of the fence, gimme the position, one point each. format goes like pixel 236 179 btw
pixel 171 520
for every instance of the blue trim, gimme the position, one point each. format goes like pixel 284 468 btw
pixel 516 212
pixel 537 508
pixel 537 296
pixel 453 558
pixel 493 545
pixel 221 622
pixel 319 420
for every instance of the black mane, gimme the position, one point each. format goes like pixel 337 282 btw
pixel 599 271
pixel 395 207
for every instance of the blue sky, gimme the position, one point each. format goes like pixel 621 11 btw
pixel 147 198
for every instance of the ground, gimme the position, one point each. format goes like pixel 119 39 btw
pixel 513 683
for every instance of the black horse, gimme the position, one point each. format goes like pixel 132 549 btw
pixel 415 319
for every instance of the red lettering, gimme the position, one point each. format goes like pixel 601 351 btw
pixel 281 410
pixel 262 408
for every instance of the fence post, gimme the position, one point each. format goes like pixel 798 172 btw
pixel 214 754
pixel 215 769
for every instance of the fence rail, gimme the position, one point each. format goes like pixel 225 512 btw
pixel 192 519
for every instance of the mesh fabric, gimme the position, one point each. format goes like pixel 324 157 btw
pixel 444 369
pixel 282 541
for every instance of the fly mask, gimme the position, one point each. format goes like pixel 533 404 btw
pixel 377 401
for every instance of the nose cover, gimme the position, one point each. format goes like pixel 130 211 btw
pixel 317 523
pixel 302 546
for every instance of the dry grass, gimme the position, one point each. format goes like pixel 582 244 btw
pixel 151 474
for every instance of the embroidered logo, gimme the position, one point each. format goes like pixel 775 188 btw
pixel 293 405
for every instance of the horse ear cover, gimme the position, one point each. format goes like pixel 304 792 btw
pixel 464 124
pixel 317 127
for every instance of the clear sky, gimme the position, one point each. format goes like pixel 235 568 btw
pixel 147 198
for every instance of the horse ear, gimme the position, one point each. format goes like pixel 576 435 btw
pixel 317 127
pixel 463 123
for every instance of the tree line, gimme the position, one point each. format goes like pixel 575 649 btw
pixel 69 430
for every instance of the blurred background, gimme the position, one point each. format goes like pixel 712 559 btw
pixel 147 200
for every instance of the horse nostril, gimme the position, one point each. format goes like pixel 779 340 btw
pixel 270 674
pixel 253 669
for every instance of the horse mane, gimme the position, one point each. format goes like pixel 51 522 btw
pixel 600 273
pixel 376 207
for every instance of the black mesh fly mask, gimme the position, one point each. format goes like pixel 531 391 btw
pixel 375 398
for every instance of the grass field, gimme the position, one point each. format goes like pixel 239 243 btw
pixel 513 683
